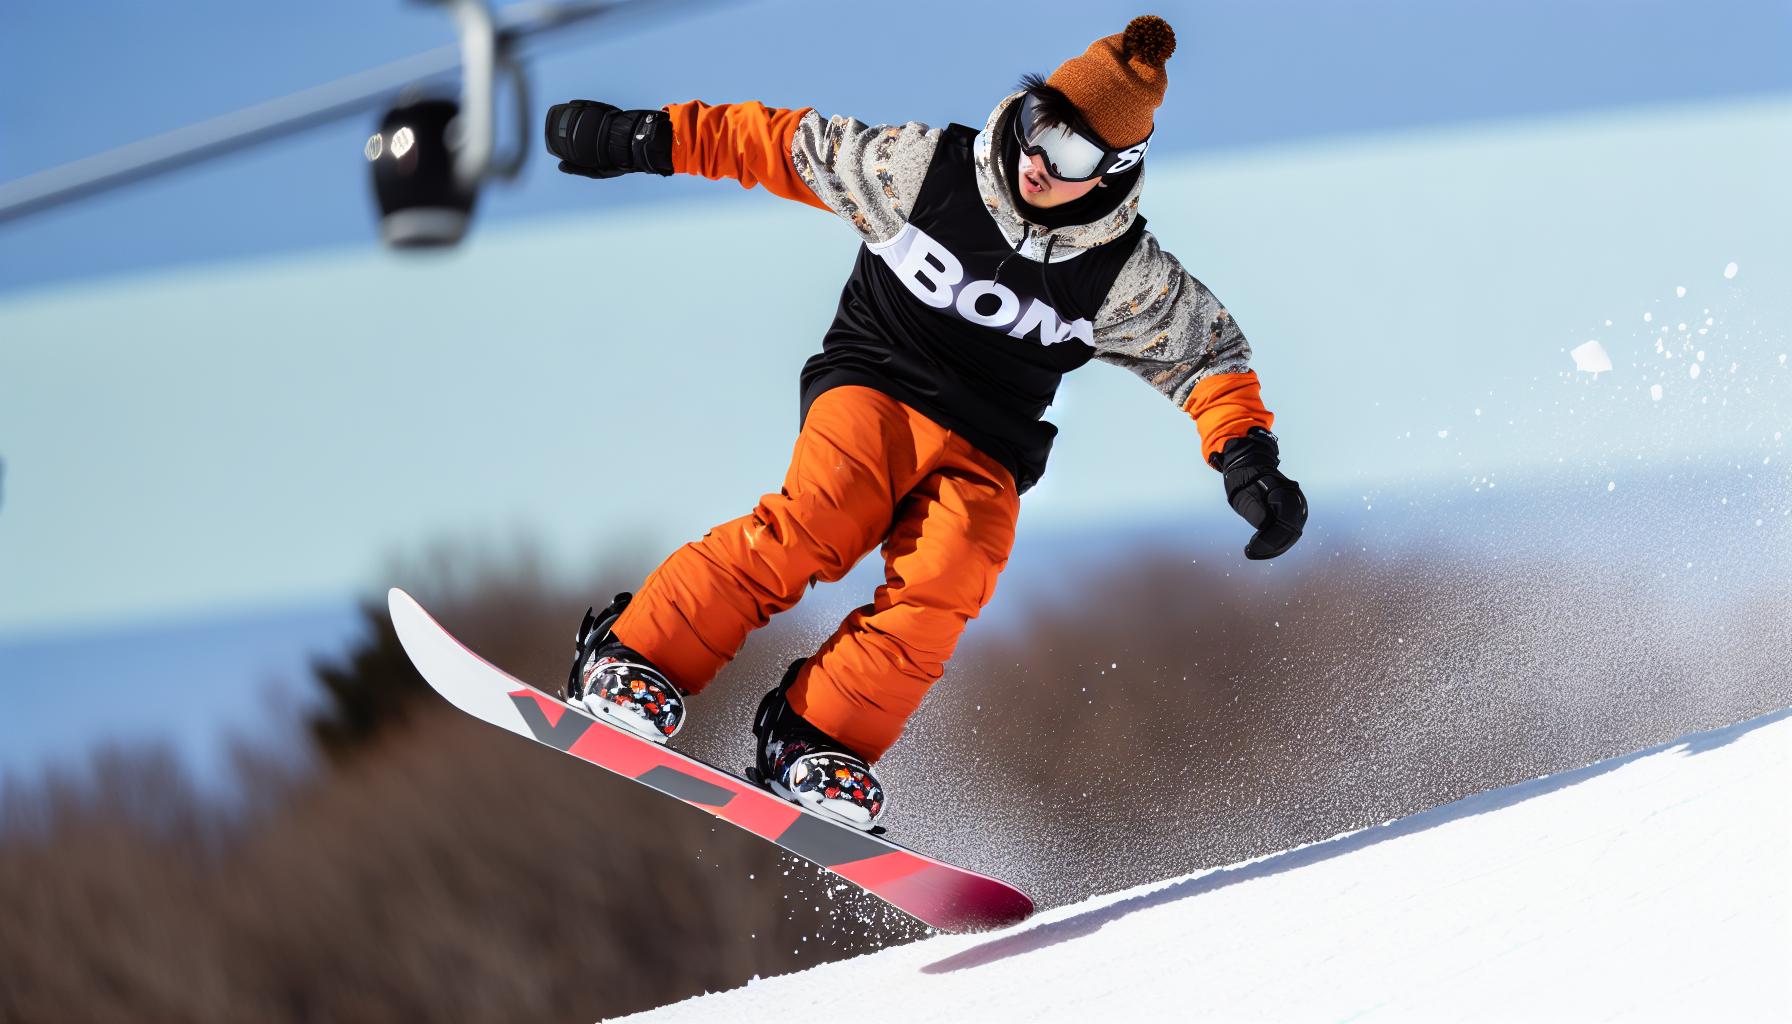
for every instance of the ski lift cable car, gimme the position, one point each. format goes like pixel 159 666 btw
pixel 426 182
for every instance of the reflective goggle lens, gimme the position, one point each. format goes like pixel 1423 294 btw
pixel 1068 156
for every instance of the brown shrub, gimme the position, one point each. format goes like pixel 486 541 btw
pixel 1170 718
pixel 440 869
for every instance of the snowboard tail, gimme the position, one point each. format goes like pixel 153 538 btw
pixel 943 895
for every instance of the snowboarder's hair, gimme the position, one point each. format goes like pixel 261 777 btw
pixel 1053 108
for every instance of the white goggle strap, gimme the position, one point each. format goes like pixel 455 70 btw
pixel 1128 158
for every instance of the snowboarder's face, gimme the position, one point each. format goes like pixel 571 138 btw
pixel 1040 189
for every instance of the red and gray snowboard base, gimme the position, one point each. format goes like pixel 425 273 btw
pixel 944 896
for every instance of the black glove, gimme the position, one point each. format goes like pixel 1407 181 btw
pixel 1259 492
pixel 602 141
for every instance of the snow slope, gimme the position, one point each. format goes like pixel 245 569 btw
pixel 1646 887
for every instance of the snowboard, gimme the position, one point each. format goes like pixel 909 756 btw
pixel 940 894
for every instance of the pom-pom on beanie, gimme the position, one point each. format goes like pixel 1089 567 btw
pixel 1119 81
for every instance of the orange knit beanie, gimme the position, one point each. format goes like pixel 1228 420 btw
pixel 1119 80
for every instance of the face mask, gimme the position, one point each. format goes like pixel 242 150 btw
pixel 1070 155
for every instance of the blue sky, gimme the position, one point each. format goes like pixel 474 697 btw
pixel 215 438
pixel 221 405
pixel 78 77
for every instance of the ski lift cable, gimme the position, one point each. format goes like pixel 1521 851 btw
pixel 308 108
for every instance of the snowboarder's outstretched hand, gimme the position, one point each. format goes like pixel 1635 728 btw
pixel 598 140
pixel 1258 491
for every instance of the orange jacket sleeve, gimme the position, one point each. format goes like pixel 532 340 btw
pixel 748 142
pixel 1224 406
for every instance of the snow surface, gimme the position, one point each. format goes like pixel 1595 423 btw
pixel 1646 887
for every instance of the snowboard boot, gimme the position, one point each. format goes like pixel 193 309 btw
pixel 806 766
pixel 619 686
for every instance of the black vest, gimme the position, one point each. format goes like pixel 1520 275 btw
pixel 927 319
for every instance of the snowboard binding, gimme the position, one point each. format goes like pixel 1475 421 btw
pixel 809 768
pixel 619 686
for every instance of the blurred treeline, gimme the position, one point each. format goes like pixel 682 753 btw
pixel 419 865
pixel 1151 715
pixel 1161 716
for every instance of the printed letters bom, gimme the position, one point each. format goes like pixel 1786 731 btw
pixel 935 276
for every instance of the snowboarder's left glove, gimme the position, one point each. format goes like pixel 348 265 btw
pixel 1257 491
pixel 599 140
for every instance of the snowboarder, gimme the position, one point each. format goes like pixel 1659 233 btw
pixel 993 262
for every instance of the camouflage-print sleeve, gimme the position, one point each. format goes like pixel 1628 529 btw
pixel 867 174
pixel 1166 327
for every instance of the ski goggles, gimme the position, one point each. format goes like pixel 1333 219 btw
pixel 1070 155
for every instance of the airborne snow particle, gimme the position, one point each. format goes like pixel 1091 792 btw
pixel 1655 392
pixel 1694 367
pixel 1443 433
pixel 1591 358
pixel 1611 486
pixel 1648 317
pixel 1680 292
pixel 1730 271
pixel 1701 355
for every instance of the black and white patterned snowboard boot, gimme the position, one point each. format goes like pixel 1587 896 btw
pixel 808 767
pixel 619 686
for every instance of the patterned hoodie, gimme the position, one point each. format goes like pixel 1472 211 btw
pixel 1155 319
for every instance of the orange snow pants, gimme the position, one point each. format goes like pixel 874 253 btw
pixel 867 470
